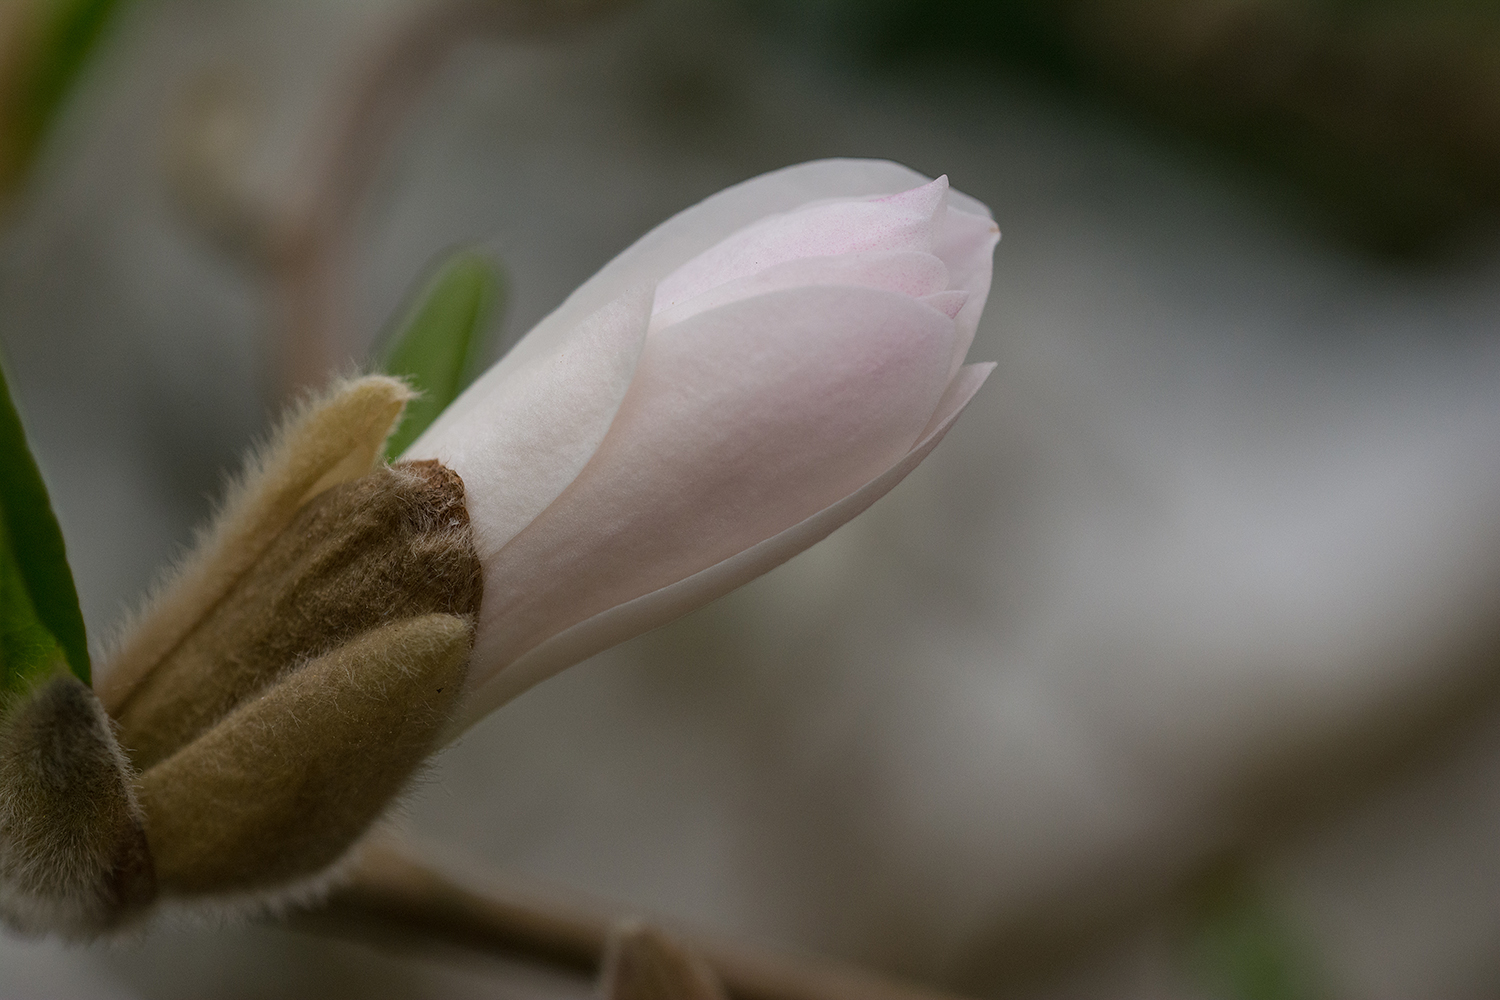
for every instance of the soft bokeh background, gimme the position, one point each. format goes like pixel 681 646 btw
pixel 1172 673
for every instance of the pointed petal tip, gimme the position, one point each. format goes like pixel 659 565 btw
pixel 948 303
pixel 929 197
pixel 960 392
pixel 969 380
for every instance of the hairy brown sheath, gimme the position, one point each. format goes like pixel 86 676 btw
pixel 73 854
pixel 326 440
pixel 281 787
pixel 287 718
pixel 272 700
pixel 391 545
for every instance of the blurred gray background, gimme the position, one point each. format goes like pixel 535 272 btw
pixel 1188 630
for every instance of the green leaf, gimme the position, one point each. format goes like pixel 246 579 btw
pixel 27 650
pixel 442 341
pixel 36 584
pixel 55 40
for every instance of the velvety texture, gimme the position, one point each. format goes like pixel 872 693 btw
pixel 329 440
pixel 73 853
pixel 388 546
pixel 280 787
pixel 289 679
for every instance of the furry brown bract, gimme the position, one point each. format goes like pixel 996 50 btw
pixel 325 442
pixel 278 692
pixel 281 691
pixel 279 789
pixel 388 546
pixel 73 855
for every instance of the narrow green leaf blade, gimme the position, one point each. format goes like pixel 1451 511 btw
pixel 34 547
pixel 441 343
pixel 28 652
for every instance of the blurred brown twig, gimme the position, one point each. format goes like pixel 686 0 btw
pixel 391 894
pixel 302 240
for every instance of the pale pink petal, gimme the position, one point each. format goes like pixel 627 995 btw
pixel 903 221
pixel 656 608
pixel 741 421
pixel 520 445
pixel 966 242
pixel 947 303
pixel 689 233
pixel 906 271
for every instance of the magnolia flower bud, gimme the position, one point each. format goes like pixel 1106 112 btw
pixel 747 377
pixel 286 684
pixel 740 382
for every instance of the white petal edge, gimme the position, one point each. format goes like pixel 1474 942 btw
pixel 649 611
pixel 519 446
pixel 694 230
pixel 967 244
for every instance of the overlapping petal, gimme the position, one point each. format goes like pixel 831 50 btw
pixel 907 220
pixel 638 454
pixel 689 233
pixel 742 421
pixel 665 604
pixel 524 442
pixel 911 272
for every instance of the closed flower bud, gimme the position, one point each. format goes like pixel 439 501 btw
pixel 283 687
pixel 746 378
pixel 743 380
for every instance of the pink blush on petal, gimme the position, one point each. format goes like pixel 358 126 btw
pixel 947 303
pixel 904 221
pixel 906 271
pixel 741 422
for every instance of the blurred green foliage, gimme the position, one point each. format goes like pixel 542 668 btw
pixel 441 344
pixel 40 621
pixel 1240 948
pixel 47 45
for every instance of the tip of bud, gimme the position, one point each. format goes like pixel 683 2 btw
pixel 925 199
